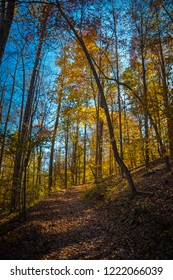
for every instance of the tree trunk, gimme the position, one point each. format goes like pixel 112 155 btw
pixel 84 154
pixel 99 141
pixel 66 154
pixel 105 106
pixel 118 84
pixel 1 101
pixel 53 144
pixel 6 19
pixel 8 116
pixel 168 107
pixel 145 95
pixel 23 92
pixel 38 178
pixel 99 129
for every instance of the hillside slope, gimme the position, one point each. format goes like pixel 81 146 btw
pixel 65 226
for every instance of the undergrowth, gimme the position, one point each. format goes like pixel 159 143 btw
pixel 106 191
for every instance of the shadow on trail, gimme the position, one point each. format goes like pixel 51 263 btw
pixel 35 243
pixel 62 222
pixel 63 226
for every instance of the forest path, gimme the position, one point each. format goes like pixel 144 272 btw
pixel 61 227
pixel 64 226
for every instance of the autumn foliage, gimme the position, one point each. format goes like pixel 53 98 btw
pixel 85 96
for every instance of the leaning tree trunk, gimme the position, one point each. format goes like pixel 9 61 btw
pixel 6 19
pixel 124 168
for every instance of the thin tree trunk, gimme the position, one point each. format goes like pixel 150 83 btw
pixel 145 95
pixel 1 101
pixel 118 85
pixel 38 178
pixel 66 154
pixel 98 138
pixel 100 149
pixel 76 152
pixel 73 164
pixel 84 154
pixel 99 132
pixel 26 158
pixel 8 116
pixel 23 93
pixel 23 214
pixel 53 144
pixel 168 13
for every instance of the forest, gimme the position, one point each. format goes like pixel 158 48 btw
pixel 86 129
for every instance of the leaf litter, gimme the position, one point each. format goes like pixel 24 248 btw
pixel 67 227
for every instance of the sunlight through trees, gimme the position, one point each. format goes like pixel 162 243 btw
pixel 85 93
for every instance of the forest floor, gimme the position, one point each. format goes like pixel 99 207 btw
pixel 67 226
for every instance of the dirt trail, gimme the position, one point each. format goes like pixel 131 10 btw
pixel 64 226
pixel 61 227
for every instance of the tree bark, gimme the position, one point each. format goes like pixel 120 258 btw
pixel 118 84
pixel 84 154
pixel 168 107
pixel 145 93
pixel 53 144
pixel 66 154
pixel 6 19
pixel 8 116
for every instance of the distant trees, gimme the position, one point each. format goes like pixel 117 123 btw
pixel 104 108
pixel 102 96
pixel 21 155
pixel 145 46
pixel 4 132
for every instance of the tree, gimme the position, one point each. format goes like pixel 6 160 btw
pixel 139 11
pixel 8 116
pixel 59 100
pixel 23 136
pixel 115 19
pixel 7 8
pixel 101 91
pixel 159 40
